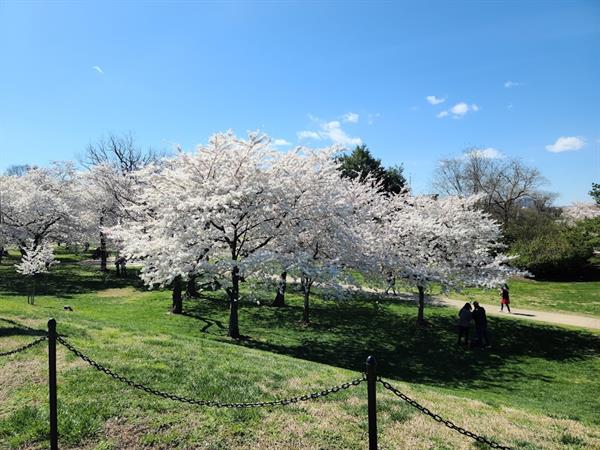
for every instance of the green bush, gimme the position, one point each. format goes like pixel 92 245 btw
pixel 559 251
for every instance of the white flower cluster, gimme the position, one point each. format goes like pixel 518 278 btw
pixel 36 259
pixel 581 211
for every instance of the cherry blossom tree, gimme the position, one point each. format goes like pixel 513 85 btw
pixel 580 211
pixel 217 210
pixel 41 205
pixel 447 241
pixel 323 235
pixel 36 259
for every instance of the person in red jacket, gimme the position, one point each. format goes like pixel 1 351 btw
pixel 504 298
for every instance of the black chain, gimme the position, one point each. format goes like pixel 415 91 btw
pixel 439 419
pixel 210 403
pixel 24 347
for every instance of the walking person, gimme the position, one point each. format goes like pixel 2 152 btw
pixel 464 321
pixel 391 283
pixel 480 319
pixel 504 298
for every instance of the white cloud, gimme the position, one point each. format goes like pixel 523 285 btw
pixel 489 152
pixel 433 100
pixel 565 144
pixel 332 131
pixel 308 135
pixel 98 69
pixel 281 142
pixel 459 110
pixel 350 117
pixel 510 84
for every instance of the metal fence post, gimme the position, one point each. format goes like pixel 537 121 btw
pixel 372 399
pixel 52 384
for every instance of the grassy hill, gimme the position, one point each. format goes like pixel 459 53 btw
pixel 537 388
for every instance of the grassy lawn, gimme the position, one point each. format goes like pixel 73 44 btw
pixel 537 388
pixel 575 297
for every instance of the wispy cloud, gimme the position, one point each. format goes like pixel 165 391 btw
pixel 510 84
pixel 308 135
pixel 98 69
pixel 489 152
pixel 566 144
pixel 434 100
pixel 372 118
pixel 281 142
pixel 332 131
pixel 459 110
pixel 350 117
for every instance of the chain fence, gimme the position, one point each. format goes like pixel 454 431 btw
pixel 438 418
pixel 257 404
pixel 209 403
pixel 24 347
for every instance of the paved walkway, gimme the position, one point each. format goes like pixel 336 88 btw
pixel 527 314
pixel 494 310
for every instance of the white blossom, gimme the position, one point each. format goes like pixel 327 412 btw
pixel 36 259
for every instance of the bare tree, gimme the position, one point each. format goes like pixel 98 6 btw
pixel 506 184
pixel 18 170
pixel 120 152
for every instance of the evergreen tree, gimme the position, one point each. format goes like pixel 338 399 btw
pixel 361 164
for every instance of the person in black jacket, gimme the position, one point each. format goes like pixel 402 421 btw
pixel 480 320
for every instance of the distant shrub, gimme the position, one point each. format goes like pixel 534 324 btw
pixel 560 251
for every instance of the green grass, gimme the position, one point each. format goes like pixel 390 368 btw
pixel 542 382
pixel 581 297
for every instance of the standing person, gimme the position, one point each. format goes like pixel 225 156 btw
pixel 504 298
pixel 464 320
pixel 391 282
pixel 480 319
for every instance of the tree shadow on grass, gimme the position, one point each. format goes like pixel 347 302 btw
pixel 209 322
pixel 64 280
pixel 9 327
pixel 344 334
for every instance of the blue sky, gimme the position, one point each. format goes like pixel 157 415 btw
pixel 518 78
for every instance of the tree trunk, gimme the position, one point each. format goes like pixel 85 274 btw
pixel 234 327
pixel 280 297
pixel 306 284
pixel 421 316
pixel 177 306
pixel 31 296
pixel 191 289
pixel 103 253
pixel 1 254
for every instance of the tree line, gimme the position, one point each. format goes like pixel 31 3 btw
pixel 238 209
